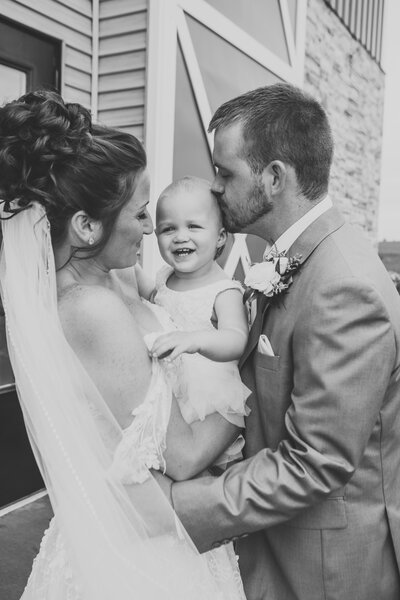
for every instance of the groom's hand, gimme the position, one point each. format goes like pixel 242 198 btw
pixel 166 482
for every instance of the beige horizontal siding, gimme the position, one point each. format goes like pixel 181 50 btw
pixel 123 117
pixel 115 8
pixel 126 61
pixel 59 13
pixel 83 7
pixel 136 130
pixel 121 82
pixel 123 43
pixel 77 79
pixel 78 60
pixel 121 99
pixel 122 64
pixel 72 94
pixel 125 24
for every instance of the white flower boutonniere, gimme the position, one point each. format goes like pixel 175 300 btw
pixel 271 277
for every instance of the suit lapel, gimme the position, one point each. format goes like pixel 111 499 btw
pixel 311 238
pixel 304 246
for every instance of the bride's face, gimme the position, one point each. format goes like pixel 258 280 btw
pixel 133 222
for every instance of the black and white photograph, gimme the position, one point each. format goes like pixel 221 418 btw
pixel 199 300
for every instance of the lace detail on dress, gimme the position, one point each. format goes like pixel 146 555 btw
pixel 223 565
pixel 143 442
pixel 52 576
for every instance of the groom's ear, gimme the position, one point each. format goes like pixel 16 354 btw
pixel 275 177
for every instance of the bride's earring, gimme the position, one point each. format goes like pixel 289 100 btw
pixel 91 240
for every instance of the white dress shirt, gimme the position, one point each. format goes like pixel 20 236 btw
pixel 288 237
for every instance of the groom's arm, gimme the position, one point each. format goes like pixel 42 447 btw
pixel 344 351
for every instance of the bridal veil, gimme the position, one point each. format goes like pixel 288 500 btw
pixel 124 540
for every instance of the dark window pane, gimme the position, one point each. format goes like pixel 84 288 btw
pixel 256 247
pixel 33 53
pixel 261 19
pixel 227 72
pixel 191 153
pixel 19 474
pixel 239 273
pixel 6 374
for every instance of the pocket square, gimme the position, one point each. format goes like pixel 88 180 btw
pixel 264 346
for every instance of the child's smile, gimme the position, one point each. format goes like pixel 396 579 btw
pixel 189 230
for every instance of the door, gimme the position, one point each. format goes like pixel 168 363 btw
pixel 28 61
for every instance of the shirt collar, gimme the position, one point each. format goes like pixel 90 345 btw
pixel 288 237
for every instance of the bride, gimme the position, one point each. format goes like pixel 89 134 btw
pixel 99 413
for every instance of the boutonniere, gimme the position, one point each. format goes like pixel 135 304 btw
pixel 271 277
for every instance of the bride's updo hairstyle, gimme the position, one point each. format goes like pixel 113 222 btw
pixel 51 153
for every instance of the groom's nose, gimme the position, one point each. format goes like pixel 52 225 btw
pixel 217 186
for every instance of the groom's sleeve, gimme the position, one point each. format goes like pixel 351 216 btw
pixel 343 352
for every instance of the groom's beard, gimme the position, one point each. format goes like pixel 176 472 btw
pixel 242 215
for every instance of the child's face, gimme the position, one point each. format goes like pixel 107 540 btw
pixel 189 230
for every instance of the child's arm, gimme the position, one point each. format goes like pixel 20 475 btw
pixel 223 344
pixel 146 284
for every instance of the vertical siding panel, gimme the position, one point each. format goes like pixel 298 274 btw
pixel 122 64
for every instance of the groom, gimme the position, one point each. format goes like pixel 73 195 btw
pixel 315 507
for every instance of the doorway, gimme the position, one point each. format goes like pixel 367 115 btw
pixel 28 61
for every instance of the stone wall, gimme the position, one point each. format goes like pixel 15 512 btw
pixel 350 85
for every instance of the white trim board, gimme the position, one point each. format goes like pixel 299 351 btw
pixel 20 503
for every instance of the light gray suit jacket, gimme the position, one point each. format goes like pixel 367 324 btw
pixel 316 503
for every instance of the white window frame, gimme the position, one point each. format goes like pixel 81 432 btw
pixel 166 23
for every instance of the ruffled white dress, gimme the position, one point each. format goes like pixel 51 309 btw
pixel 53 576
pixel 204 386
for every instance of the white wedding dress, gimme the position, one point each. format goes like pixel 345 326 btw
pixel 54 575
pixel 115 535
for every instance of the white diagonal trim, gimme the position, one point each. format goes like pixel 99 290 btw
pixel 195 75
pixel 289 33
pixel 7 387
pixel 232 33
pixel 23 502
pixel 239 251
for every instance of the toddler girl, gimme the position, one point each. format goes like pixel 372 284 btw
pixel 205 305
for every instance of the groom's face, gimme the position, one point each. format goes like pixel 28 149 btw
pixel 241 192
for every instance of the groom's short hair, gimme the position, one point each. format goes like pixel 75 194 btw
pixel 281 122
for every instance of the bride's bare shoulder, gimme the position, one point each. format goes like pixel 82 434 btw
pixel 106 338
pixel 87 309
pixel 87 299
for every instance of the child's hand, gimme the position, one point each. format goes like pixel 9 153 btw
pixel 175 343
